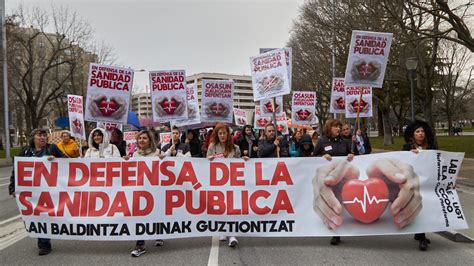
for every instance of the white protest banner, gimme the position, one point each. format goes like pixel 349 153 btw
pixel 259 121
pixel 194 117
pixel 108 93
pixel 149 198
pixel 168 90
pixel 282 124
pixel 269 75
pixel 303 108
pixel 288 58
pixel 75 107
pixel 217 101
pixel 337 105
pixel 165 138
pixel 266 106
pixel 354 102
pixel 240 117
pixel 368 56
pixel 109 127
pixel 130 137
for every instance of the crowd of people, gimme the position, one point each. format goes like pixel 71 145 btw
pixel 337 139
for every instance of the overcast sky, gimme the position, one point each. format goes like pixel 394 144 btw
pixel 195 35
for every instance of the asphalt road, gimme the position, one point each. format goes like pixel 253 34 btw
pixel 373 250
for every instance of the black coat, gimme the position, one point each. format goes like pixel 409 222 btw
pixel 244 146
pixel 266 149
pixel 332 146
pixel 27 151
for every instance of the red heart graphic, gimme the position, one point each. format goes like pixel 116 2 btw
pixel 218 109
pixel 281 128
pixel 77 126
pixel 262 122
pixel 169 106
pixel 107 108
pixel 365 70
pixel 269 108
pixel 303 114
pixel 340 103
pixel 365 200
pixel 358 105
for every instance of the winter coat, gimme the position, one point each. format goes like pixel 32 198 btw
pixel 70 149
pixel 182 150
pixel 294 148
pixel 267 149
pixel 332 146
pixel 247 144
pixel 109 150
pixel 218 151
pixel 27 151
pixel 367 146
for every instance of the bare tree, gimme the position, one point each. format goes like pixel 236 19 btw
pixel 454 17
pixel 46 58
pixel 455 81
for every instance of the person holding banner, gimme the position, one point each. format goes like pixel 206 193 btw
pixel 146 148
pixel 270 146
pixel 222 146
pixel 419 136
pixel 37 147
pixel 247 143
pixel 99 146
pixel 68 146
pixel 329 145
pixel 176 148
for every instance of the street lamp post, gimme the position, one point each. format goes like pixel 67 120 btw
pixel 411 64
pixel 5 78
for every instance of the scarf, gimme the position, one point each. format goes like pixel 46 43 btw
pixel 145 152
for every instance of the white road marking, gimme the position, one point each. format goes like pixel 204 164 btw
pixel 11 234
pixel 3 185
pixel 4 178
pixel 214 254
pixel 9 220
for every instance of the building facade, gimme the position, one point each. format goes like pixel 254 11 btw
pixel 141 105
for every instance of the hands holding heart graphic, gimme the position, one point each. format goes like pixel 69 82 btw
pixel 362 70
pixel 215 109
pixel 340 178
pixel 170 106
pixel 100 105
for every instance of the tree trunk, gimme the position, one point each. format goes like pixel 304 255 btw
pixel 380 125
pixel 387 127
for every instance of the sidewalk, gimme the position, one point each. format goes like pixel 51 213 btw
pixel 4 163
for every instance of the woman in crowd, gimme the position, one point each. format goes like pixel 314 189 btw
pixel 99 146
pixel 306 146
pixel 222 146
pixel 68 146
pixel 247 143
pixel 295 143
pixel 146 148
pixel 332 144
pixel 419 136
pixel 192 139
pixel 38 146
